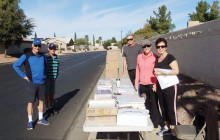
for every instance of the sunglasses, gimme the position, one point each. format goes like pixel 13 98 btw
pixel 163 46
pixel 52 48
pixel 130 39
pixel 37 46
pixel 145 46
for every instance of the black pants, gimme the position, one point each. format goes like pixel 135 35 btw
pixel 132 74
pixel 167 99
pixel 151 103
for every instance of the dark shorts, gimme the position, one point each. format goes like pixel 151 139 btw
pixel 50 86
pixel 35 91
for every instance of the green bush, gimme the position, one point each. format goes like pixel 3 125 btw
pixel 83 48
pixel 62 49
pixel 68 48
pixel 80 49
pixel 73 50
pixel 87 49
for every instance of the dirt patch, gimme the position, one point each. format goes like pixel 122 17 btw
pixel 205 94
pixel 9 58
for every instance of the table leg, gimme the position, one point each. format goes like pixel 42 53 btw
pixel 128 136
pixel 92 135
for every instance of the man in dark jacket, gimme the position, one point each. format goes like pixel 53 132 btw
pixel 34 63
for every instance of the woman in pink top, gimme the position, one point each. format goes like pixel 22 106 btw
pixel 146 80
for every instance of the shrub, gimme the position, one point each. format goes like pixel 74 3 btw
pixel 80 49
pixel 62 49
pixel 68 48
pixel 73 50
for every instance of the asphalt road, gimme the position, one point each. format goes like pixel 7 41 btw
pixel 78 76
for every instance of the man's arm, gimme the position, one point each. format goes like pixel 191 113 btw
pixel 124 67
pixel 17 66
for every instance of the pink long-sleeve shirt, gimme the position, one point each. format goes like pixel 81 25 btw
pixel 145 69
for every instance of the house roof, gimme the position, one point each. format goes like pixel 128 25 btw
pixel 59 40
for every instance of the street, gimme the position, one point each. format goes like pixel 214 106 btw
pixel 78 76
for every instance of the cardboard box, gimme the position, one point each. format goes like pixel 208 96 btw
pixel 112 73
pixel 101 119
pixel 105 111
pixel 112 55
pixel 113 64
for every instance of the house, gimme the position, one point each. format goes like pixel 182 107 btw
pixel 26 44
pixel 63 43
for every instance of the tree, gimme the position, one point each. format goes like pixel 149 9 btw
pixel 215 12
pixel 87 39
pixel 81 41
pixel 54 35
pixel 161 23
pixel 113 40
pixel 75 37
pixel 107 43
pixel 14 25
pixel 93 40
pixel 144 33
pixel 201 14
pixel 35 35
pixel 99 40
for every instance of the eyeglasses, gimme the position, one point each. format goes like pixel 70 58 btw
pixel 52 48
pixel 163 46
pixel 146 46
pixel 37 46
pixel 130 39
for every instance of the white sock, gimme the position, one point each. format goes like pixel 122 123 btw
pixel 30 118
pixel 166 127
pixel 40 115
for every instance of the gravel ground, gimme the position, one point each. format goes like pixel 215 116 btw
pixel 8 58
pixel 205 94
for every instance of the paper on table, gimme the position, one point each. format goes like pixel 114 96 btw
pixel 132 117
pixel 101 103
pixel 166 81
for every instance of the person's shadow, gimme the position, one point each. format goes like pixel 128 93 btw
pixel 61 101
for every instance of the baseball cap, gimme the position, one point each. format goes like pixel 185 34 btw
pixel 37 41
pixel 52 46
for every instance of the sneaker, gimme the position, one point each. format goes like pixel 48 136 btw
pixel 156 130
pixel 30 126
pixel 164 131
pixel 173 134
pixel 43 121
pixel 53 111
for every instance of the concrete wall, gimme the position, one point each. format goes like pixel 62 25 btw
pixel 197 51
pixel 15 49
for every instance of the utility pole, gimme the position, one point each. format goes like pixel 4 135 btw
pixel 121 41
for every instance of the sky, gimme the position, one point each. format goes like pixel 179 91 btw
pixel 105 18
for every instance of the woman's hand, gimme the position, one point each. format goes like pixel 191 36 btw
pixel 157 73
pixel 136 87
pixel 154 88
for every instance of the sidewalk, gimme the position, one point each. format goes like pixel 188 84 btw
pixel 185 107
